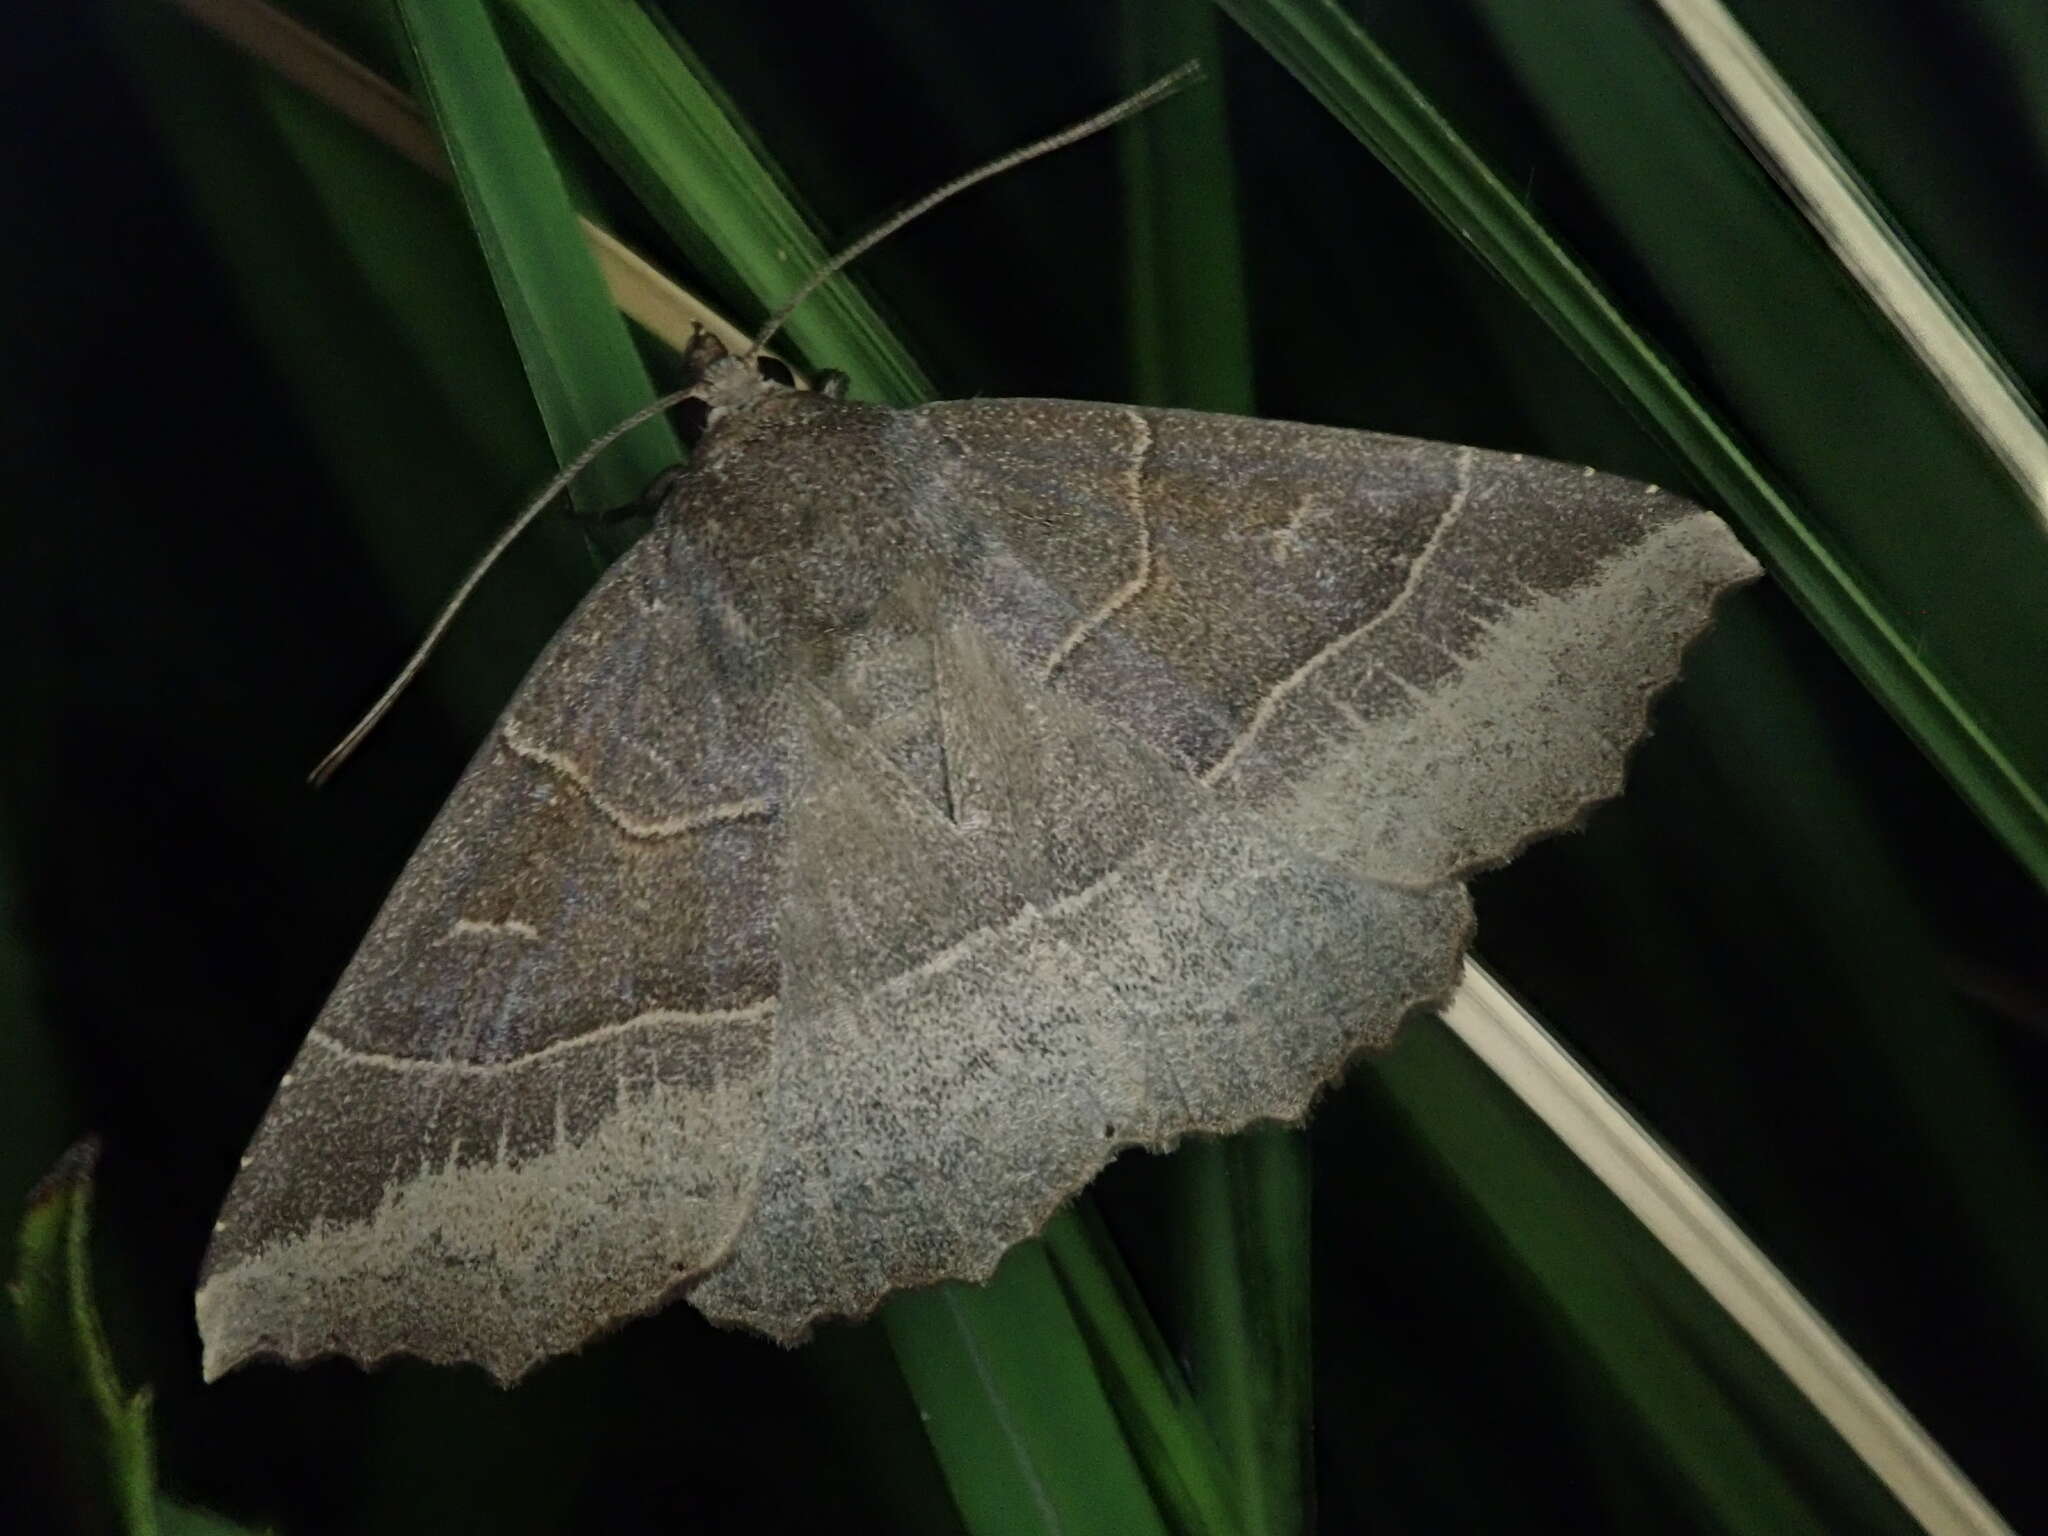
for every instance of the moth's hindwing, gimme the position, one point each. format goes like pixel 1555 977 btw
pixel 1093 954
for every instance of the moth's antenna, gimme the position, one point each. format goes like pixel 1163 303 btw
pixel 1130 106
pixel 1158 90
pixel 503 542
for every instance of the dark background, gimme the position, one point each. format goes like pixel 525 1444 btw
pixel 192 613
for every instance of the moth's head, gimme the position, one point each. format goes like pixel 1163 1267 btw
pixel 727 382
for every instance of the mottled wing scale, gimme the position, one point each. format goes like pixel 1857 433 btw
pixel 518 1119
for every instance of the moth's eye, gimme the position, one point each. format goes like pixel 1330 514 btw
pixel 775 371
pixel 691 417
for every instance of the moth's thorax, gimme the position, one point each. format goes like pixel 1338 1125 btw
pixel 810 511
pixel 730 384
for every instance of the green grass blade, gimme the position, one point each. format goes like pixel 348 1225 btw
pixel 296 53
pixel 108 1429
pixel 407 376
pixel 1189 319
pixel 1605 1277
pixel 1167 1428
pixel 1364 91
pixel 1716 1253
pixel 1993 757
pixel 1243 1237
pixel 1751 940
pixel 1796 149
pixel 174 1518
pixel 1855 942
pixel 34 1098
pixel 1940 532
pixel 1943 540
pixel 655 113
pixel 579 359
pixel 1013 1406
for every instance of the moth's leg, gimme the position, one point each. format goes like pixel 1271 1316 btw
pixel 646 504
pixel 829 382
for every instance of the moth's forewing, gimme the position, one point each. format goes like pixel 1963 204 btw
pixel 535 1103
pixel 1411 656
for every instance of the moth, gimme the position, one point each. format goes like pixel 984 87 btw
pixel 931 805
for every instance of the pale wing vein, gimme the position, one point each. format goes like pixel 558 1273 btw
pixel 566 768
pixel 1299 678
pixel 650 1019
pixel 1142 563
